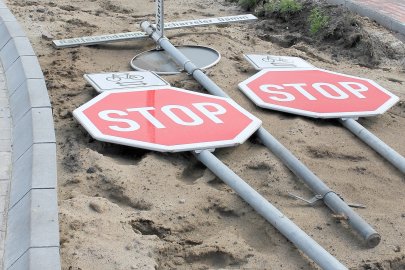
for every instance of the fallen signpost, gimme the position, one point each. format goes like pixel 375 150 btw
pixel 166 119
pixel 157 117
pixel 162 119
pixel 319 93
pixel 330 198
pixel 375 143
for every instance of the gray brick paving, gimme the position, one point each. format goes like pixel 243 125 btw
pixel 5 146
pixel 3 201
pixel 5 134
pixel 29 232
pixel 4 188
pixel 43 232
pixel 5 159
pixel 389 13
pixel 2 240
pixel 5 165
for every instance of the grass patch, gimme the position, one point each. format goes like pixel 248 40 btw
pixel 283 6
pixel 317 21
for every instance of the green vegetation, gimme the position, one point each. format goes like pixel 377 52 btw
pixel 317 20
pixel 283 6
pixel 298 13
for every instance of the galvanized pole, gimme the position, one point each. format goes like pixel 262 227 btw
pixel 291 231
pixel 379 146
pixel 330 198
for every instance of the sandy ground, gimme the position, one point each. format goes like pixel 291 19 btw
pixel 124 208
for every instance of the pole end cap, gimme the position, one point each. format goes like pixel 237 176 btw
pixel 373 240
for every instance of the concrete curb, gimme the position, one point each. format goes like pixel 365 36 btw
pixel 363 10
pixel 32 235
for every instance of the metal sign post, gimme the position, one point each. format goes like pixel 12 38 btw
pixel 157 119
pixel 330 198
pixel 284 225
pixel 375 143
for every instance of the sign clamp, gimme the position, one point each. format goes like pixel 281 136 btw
pixel 312 201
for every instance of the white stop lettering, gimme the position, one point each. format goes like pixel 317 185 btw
pixel 178 114
pixel 292 91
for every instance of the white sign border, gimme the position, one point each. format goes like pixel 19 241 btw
pixel 126 36
pixel 259 102
pixel 257 67
pixel 101 90
pixel 209 21
pixel 100 39
pixel 96 133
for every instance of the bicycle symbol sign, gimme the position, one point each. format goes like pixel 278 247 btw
pixel 265 61
pixel 124 80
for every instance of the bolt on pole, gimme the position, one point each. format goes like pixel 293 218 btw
pixel 160 17
pixel 330 198
pixel 375 143
pixel 283 224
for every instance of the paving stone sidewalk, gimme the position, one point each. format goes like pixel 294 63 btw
pixel 389 13
pixel 5 159
pixel 392 8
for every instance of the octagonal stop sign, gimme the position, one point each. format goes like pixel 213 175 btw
pixel 317 93
pixel 166 119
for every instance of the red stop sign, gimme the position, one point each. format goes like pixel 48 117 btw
pixel 317 93
pixel 166 119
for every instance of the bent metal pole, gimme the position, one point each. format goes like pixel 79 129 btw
pixel 291 231
pixel 330 198
pixel 371 140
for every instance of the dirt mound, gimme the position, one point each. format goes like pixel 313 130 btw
pixel 328 28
